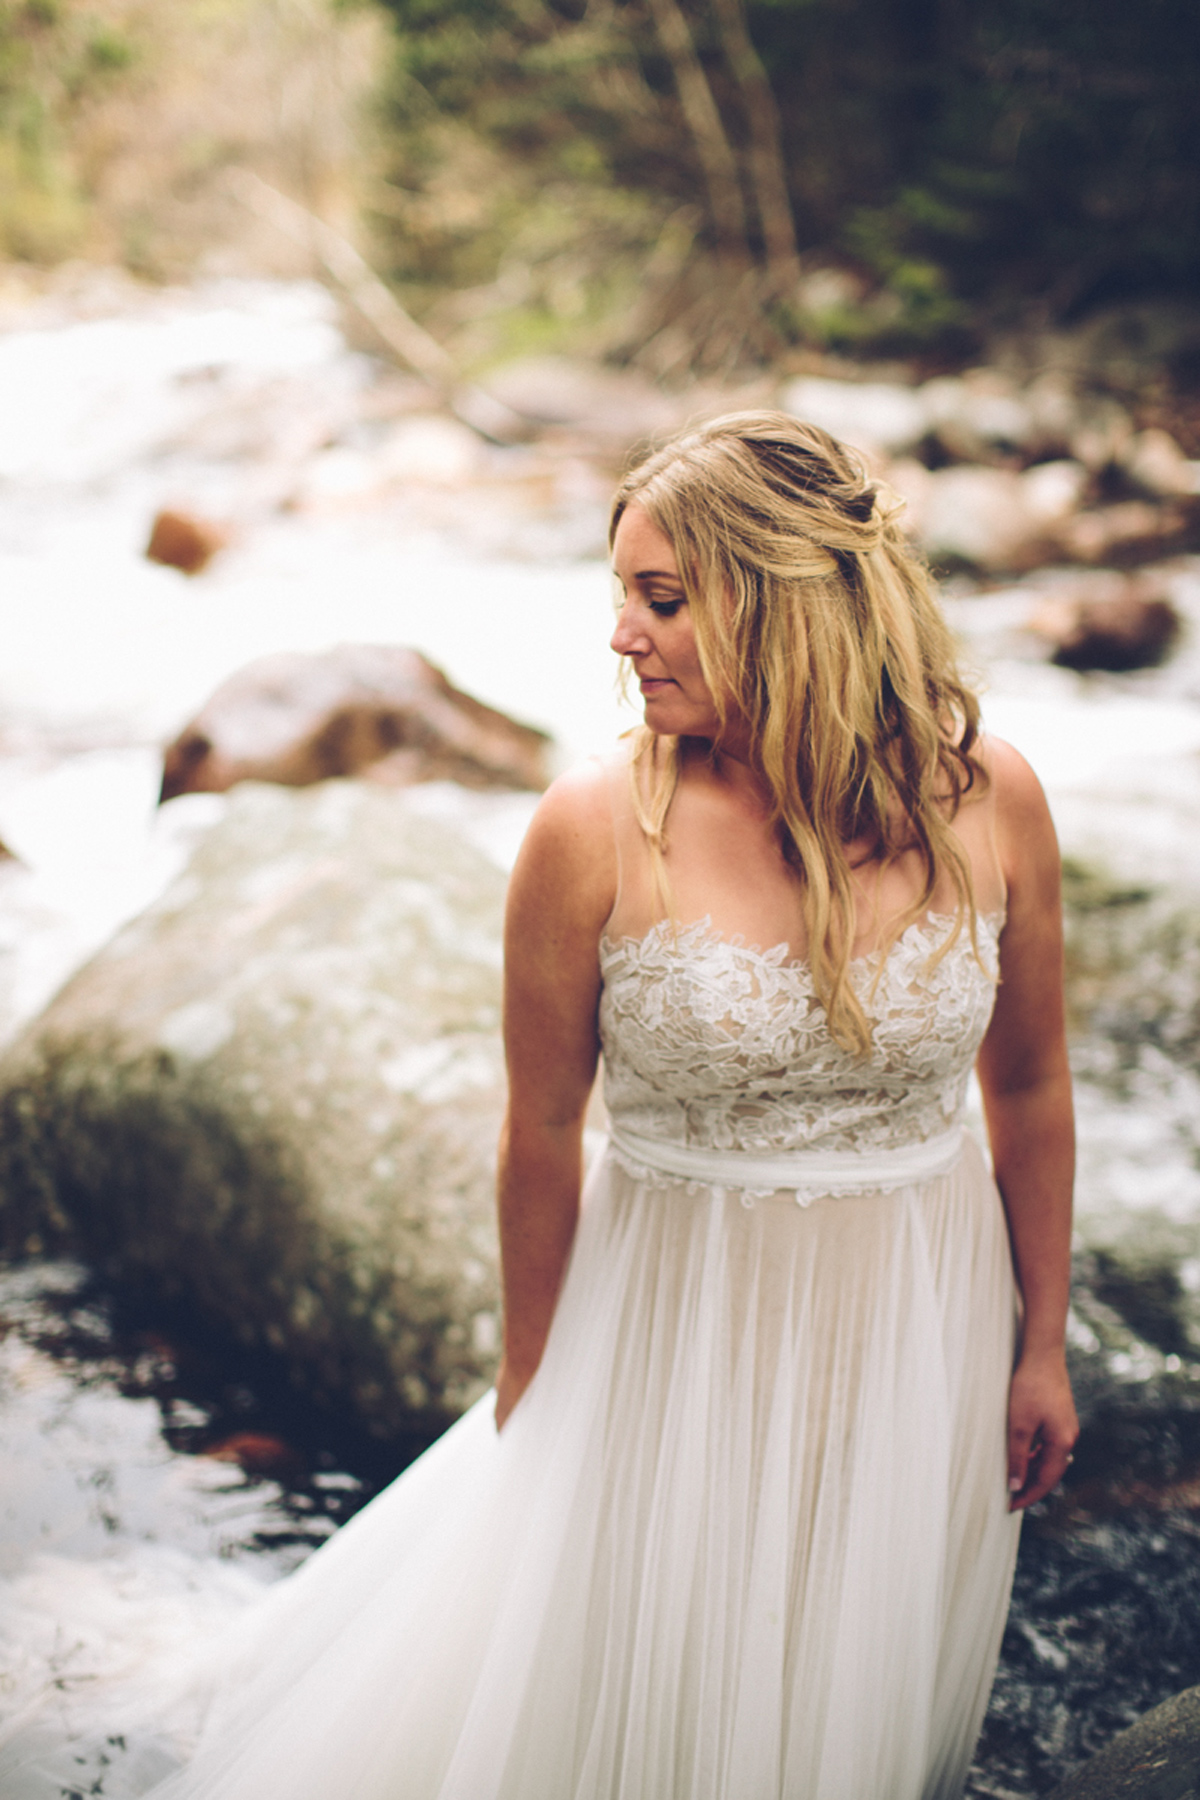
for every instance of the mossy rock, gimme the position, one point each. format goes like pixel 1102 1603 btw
pixel 1156 1759
pixel 273 1100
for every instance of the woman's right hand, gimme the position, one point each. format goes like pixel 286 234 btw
pixel 1042 1427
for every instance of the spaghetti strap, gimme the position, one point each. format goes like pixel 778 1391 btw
pixel 634 909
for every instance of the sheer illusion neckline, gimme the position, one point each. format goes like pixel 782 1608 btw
pixel 701 932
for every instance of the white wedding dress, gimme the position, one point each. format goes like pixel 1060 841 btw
pixel 746 1535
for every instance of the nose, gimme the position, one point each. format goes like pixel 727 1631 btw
pixel 629 638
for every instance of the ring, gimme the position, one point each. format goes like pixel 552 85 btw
pixel 1070 1460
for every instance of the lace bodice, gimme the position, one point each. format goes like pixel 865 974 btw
pixel 711 1043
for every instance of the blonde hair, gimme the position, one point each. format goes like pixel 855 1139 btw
pixel 817 625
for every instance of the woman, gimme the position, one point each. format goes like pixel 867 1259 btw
pixel 748 1527
pixel 815 1401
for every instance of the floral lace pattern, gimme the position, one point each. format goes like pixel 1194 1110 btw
pixel 712 1043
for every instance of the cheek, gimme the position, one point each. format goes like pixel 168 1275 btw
pixel 694 664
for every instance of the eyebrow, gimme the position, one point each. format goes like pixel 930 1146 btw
pixel 657 575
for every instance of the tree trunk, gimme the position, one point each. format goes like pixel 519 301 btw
pixel 704 122
pixel 768 172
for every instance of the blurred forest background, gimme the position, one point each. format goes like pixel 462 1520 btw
pixel 690 185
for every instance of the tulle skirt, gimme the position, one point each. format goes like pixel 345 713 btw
pixel 745 1537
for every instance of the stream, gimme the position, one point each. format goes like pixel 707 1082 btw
pixel 146 1468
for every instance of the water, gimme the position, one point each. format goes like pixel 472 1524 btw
pixel 144 1469
pixel 152 1484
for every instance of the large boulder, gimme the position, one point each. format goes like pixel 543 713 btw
pixel 272 1101
pixel 1156 1759
pixel 298 719
pixel 1157 465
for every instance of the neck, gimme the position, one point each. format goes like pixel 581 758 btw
pixel 731 763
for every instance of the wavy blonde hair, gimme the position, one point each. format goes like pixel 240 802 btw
pixel 817 625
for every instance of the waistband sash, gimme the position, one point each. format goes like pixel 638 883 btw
pixel 808 1174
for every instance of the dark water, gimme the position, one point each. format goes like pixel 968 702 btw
pixel 1105 1620
pixel 117 1430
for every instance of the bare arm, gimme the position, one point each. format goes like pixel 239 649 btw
pixel 562 891
pixel 1027 1097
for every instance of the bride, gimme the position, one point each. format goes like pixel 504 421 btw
pixel 771 1402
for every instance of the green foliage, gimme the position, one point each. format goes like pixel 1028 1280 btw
pixel 55 58
pixel 119 117
pixel 969 162
pixel 1024 148
pixel 529 144
pixel 967 157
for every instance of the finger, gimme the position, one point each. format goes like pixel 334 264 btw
pixel 1020 1447
pixel 1046 1469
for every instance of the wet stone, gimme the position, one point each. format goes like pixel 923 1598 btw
pixel 1156 1759
pixel 271 1104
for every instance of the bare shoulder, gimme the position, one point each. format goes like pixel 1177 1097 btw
pixel 1028 850
pixel 1024 829
pixel 568 860
pixel 1025 1038
pixel 1010 777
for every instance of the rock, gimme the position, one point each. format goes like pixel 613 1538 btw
pixel 989 518
pixel 336 476
pixel 1100 432
pixel 423 450
pixel 1055 409
pixel 875 416
pixel 183 541
pixel 297 719
pixel 975 516
pixel 1051 491
pixel 980 416
pixel 256 1453
pixel 1155 462
pixel 271 1103
pixel 619 406
pixel 828 290
pixel 1132 531
pixel 429 447
pixel 1156 1759
pixel 1121 630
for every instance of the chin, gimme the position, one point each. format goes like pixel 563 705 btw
pixel 666 717
pixel 663 725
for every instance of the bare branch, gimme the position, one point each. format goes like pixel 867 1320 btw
pixel 768 170
pixel 704 122
pixel 380 307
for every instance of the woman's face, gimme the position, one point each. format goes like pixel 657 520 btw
pixel 655 631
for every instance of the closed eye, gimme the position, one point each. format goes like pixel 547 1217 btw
pixel 664 609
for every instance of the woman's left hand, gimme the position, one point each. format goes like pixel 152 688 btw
pixel 1042 1427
